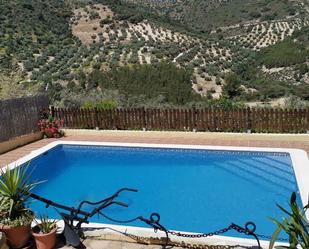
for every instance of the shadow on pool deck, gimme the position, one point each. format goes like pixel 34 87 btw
pixel 100 238
pixel 109 244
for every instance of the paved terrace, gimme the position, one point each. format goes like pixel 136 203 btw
pixel 299 141
pixel 295 141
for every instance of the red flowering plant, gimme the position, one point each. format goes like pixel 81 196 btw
pixel 50 126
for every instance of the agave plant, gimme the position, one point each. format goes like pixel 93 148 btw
pixel 296 226
pixel 15 184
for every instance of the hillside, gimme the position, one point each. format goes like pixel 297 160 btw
pixel 114 51
pixel 205 16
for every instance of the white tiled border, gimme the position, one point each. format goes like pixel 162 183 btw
pixel 299 159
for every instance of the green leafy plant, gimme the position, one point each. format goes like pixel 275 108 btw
pixel 45 225
pixel 15 184
pixel 296 226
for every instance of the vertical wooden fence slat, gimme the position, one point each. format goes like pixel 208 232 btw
pixel 189 118
pixel 79 117
pixel 280 120
pixel 148 118
pixel 258 119
pixel 211 118
pixel 161 119
pixel 119 119
pixel 74 117
pixel 291 126
pixel 176 119
pixel 271 120
pixel 133 119
pixel 248 121
pixel 68 114
pixel 219 119
pixel 288 120
pixel 293 119
pixel 275 120
pixel 285 120
pixel 172 119
pixel 253 119
pixel 154 117
pixel 307 119
pixel 299 121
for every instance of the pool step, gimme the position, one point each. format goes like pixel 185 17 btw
pixel 256 175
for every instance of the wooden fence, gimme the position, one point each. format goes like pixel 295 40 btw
pixel 20 116
pixel 209 119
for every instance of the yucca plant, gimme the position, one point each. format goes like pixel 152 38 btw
pixel 44 233
pixel 296 226
pixel 45 225
pixel 15 184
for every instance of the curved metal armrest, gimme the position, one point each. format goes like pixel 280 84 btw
pixel 108 200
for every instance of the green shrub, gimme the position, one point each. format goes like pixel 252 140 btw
pixel 150 80
pixel 231 88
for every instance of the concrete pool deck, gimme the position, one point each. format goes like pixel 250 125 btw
pixel 110 244
pixel 294 141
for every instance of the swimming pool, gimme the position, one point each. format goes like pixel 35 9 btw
pixel 193 188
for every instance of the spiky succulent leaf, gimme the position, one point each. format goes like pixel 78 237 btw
pixel 295 226
pixel 15 184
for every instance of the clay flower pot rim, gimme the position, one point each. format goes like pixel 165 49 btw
pixel 4 226
pixel 44 234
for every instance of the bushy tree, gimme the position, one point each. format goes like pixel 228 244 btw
pixel 231 88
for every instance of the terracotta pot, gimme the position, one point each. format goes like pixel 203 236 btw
pixel 45 241
pixel 16 236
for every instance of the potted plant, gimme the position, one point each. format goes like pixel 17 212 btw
pixel 295 225
pixel 50 127
pixel 15 217
pixel 44 233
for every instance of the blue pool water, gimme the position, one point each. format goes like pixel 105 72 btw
pixel 192 190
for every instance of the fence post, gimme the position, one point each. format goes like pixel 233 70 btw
pixel 96 119
pixel 194 119
pixel 307 117
pixel 52 111
pixel 249 120
pixel 144 119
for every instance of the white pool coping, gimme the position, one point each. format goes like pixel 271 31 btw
pixel 300 162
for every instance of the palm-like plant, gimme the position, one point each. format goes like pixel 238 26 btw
pixel 296 226
pixel 15 185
